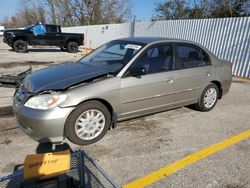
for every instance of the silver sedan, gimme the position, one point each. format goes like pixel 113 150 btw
pixel 122 79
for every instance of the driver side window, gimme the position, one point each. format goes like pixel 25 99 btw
pixel 38 30
pixel 156 59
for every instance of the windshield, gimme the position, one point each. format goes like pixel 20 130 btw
pixel 112 56
pixel 28 27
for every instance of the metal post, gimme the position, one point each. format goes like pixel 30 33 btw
pixel 132 27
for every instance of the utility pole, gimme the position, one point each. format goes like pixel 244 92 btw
pixel 132 27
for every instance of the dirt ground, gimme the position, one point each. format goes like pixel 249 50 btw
pixel 36 53
pixel 12 63
pixel 140 146
pixel 38 57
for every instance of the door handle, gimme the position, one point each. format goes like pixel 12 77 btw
pixel 170 80
pixel 207 74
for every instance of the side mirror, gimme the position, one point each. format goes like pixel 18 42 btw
pixel 122 46
pixel 137 71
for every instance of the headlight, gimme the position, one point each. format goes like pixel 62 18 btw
pixel 45 101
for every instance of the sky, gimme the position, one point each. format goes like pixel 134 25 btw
pixel 142 9
pixel 7 8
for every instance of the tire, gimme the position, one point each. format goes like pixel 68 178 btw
pixel 205 102
pixel 20 46
pixel 72 47
pixel 63 49
pixel 78 131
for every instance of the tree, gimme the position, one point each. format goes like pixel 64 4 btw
pixel 50 4
pixel 70 12
pixel 198 9
pixel 229 8
pixel 27 13
pixel 170 10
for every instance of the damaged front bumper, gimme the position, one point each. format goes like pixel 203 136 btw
pixel 41 125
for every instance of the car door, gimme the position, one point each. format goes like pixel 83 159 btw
pixel 148 93
pixel 53 35
pixel 192 74
pixel 38 35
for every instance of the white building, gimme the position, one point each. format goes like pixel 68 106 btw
pixel 1 30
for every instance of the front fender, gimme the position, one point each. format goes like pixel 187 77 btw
pixel 106 89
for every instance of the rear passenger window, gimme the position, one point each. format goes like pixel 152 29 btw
pixel 205 58
pixel 189 56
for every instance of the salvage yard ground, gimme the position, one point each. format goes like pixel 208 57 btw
pixel 141 146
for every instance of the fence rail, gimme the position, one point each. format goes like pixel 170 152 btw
pixel 227 38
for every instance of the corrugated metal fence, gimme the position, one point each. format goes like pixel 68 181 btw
pixel 227 38
pixel 96 35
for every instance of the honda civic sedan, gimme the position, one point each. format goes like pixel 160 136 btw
pixel 120 80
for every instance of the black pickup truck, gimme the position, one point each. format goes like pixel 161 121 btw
pixel 42 34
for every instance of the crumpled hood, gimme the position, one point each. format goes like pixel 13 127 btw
pixel 60 77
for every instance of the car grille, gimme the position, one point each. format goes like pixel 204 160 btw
pixel 6 35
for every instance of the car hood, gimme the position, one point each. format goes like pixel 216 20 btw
pixel 14 31
pixel 62 76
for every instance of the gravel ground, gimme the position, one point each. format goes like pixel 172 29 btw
pixel 12 63
pixel 39 54
pixel 38 57
pixel 141 146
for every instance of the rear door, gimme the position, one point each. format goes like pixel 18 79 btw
pixel 53 35
pixel 193 70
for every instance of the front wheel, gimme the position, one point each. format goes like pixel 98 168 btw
pixel 20 46
pixel 72 47
pixel 88 123
pixel 208 98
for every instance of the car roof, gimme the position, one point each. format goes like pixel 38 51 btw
pixel 147 40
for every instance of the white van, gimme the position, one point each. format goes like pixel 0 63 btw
pixel 1 30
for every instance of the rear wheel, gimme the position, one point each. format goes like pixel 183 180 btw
pixel 88 123
pixel 20 46
pixel 208 98
pixel 72 47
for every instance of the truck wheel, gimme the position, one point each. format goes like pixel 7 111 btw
pixel 88 123
pixel 72 47
pixel 64 49
pixel 20 46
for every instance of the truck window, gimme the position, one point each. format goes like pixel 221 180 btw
pixel 38 30
pixel 51 29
